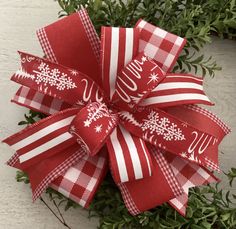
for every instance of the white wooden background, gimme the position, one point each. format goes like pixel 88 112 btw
pixel 18 21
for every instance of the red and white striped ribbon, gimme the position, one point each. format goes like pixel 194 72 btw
pixel 129 156
pixel 118 47
pixel 44 138
pixel 177 89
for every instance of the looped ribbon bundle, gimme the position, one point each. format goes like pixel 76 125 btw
pixel 114 103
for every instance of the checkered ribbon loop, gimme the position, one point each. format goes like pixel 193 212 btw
pixel 114 103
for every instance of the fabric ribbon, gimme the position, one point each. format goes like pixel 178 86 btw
pixel 115 106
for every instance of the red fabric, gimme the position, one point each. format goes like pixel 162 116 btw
pixel 166 131
pixel 94 121
pixel 37 101
pixel 47 151
pixel 141 195
pixel 162 46
pixel 74 48
pixel 118 47
pixel 83 179
pixel 129 157
pixel 207 122
pixel 188 175
pixel 56 81
pixel 136 81
pixel 177 89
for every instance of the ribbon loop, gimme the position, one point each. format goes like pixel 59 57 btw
pixel 57 81
pixel 167 132
pixel 92 125
pixel 136 81
pixel 43 139
pixel 129 157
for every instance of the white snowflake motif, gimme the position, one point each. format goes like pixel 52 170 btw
pixel 162 126
pixel 80 103
pixel 74 72
pixel 153 78
pixel 183 154
pixel 184 124
pixel 53 77
pixel 98 128
pixel 96 111
pixel 144 58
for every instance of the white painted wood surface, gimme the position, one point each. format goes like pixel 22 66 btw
pixel 18 21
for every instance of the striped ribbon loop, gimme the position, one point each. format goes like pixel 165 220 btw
pixel 118 47
pixel 44 139
pixel 129 156
pixel 135 81
pixel 177 89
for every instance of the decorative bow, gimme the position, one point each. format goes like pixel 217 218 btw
pixel 128 110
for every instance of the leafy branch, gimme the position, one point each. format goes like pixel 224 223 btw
pixel 208 207
pixel 196 20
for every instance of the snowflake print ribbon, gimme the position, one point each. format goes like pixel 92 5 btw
pixel 114 103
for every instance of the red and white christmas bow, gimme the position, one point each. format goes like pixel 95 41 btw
pixel 114 103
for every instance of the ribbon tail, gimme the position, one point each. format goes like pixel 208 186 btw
pixel 147 193
pixel 43 139
pixel 42 174
pixel 129 157
pixel 188 175
pixel 14 161
pixel 81 182
pixel 77 177
pixel 167 131
pixel 205 121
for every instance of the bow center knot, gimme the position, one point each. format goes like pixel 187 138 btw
pixel 92 125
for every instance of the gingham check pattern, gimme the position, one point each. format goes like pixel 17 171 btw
pixel 188 175
pixel 80 181
pixel 58 171
pixel 167 172
pixel 159 44
pixel 166 169
pixel 91 33
pixel 13 160
pixel 38 101
pixel 45 44
pixel 212 165
pixel 128 200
